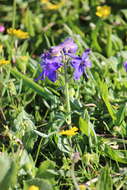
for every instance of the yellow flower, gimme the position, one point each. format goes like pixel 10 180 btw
pixel 4 62
pixel 52 6
pixel 18 33
pixel 70 132
pixel 44 1
pixel 82 187
pixel 103 11
pixel 33 187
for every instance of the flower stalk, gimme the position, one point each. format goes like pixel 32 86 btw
pixel 73 176
pixel 14 14
pixel 67 96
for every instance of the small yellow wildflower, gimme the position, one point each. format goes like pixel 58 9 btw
pixel 44 1
pixel 103 11
pixel 18 33
pixel 52 6
pixel 4 62
pixel 82 187
pixel 33 187
pixel 70 132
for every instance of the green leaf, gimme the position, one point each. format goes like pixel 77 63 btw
pixel 103 88
pixel 31 84
pixel 95 44
pixel 105 180
pixel 86 127
pixel 8 172
pixel 105 96
pixel 109 51
pixel 46 170
pixel 120 115
pixel 24 129
pixel 28 21
pixel 117 155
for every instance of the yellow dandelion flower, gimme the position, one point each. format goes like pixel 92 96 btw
pixel 18 33
pixel 70 132
pixel 103 11
pixel 4 62
pixel 82 187
pixel 33 187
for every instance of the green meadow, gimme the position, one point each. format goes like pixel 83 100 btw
pixel 63 94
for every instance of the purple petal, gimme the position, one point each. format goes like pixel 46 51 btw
pixel 85 54
pixel 69 46
pixel 55 51
pixel 78 72
pixel 52 75
pixel 75 63
pixel 125 65
pixel 87 63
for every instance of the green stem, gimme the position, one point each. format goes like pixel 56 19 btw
pixel 38 150
pixel 73 177
pixel 14 14
pixel 68 107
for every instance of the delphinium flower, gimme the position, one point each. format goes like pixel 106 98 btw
pixel 80 64
pixel 2 28
pixel 125 65
pixel 70 132
pixel 68 46
pixel 103 11
pixel 50 64
pixel 18 33
pixel 53 59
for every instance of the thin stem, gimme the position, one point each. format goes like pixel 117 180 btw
pixel 14 14
pixel 38 150
pixel 73 177
pixel 67 95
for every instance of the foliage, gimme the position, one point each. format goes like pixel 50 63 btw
pixel 34 115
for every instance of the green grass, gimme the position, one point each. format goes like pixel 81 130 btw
pixel 32 113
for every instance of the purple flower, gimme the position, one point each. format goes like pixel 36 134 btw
pixel 49 65
pixel 68 46
pixel 2 28
pixel 80 63
pixel 125 65
pixel 52 60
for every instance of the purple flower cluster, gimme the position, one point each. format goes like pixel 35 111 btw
pixel 52 60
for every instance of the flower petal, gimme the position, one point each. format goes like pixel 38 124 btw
pixel 78 72
pixel 85 54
